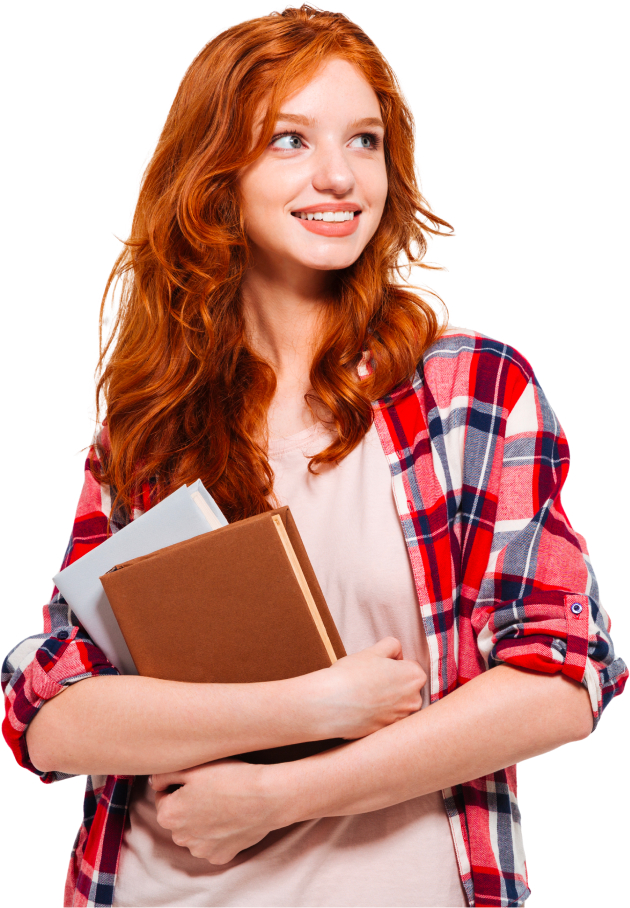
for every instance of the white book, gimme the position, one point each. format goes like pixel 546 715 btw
pixel 188 512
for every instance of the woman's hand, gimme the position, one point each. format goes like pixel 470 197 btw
pixel 227 805
pixel 222 808
pixel 370 689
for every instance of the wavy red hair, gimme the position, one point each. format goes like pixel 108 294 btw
pixel 186 397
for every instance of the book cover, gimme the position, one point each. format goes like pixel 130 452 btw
pixel 188 512
pixel 240 604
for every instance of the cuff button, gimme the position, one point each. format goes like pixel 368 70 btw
pixel 576 608
pixel 63 635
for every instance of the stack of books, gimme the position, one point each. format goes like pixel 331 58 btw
pixel 180 594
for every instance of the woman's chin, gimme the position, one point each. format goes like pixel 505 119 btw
pixel 331 260
pixel 333 266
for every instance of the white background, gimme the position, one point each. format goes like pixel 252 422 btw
pixel 522 144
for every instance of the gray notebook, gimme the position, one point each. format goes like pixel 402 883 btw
pixel 188 512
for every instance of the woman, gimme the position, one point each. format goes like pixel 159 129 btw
pixel 253 333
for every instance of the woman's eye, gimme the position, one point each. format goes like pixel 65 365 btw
pixel 367 140
pixel 289 142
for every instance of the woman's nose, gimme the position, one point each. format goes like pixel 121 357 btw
pixel 332 172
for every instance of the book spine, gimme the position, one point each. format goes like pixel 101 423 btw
pixel 301 579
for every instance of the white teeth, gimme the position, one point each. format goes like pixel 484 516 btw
pixel 326 215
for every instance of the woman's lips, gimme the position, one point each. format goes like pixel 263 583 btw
pixel 331 228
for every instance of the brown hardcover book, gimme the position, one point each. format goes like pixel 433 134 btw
pixel 238 604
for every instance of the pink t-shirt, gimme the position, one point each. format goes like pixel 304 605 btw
pixel 398 856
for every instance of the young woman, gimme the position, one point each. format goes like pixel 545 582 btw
pixel 265 345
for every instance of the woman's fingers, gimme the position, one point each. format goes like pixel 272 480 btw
pixel 159 797
pixel 366 691
pixel 389 647
pixel 162 780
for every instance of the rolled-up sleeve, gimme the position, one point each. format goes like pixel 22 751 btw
pixel 40 667
pixel 538 606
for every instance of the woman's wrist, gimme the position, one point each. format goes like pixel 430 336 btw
pixel 308 695
pixel 285 789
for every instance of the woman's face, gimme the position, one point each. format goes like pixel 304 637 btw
pixel 315 197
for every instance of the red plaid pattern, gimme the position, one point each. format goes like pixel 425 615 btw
pixel 478 461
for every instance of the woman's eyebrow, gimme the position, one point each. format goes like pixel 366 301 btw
pixel 295 118
pixel 368 121
pixel 300 120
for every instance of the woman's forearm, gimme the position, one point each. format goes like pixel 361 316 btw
pixel 502 717
pixel 134 725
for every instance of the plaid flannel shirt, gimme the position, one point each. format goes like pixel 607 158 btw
pixel 478 461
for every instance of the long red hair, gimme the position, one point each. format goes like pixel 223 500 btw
pixel 185 395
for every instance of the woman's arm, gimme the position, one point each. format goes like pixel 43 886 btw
pixel 126 725
pixel 499 718
pixel 69 711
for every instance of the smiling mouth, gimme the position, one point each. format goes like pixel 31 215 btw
pixel 330 216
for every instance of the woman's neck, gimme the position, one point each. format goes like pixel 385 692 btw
pixel 283 322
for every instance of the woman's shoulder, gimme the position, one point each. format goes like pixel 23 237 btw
pixel 100 494
pixel 464 363
pixel 466 347
pixel 95 515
